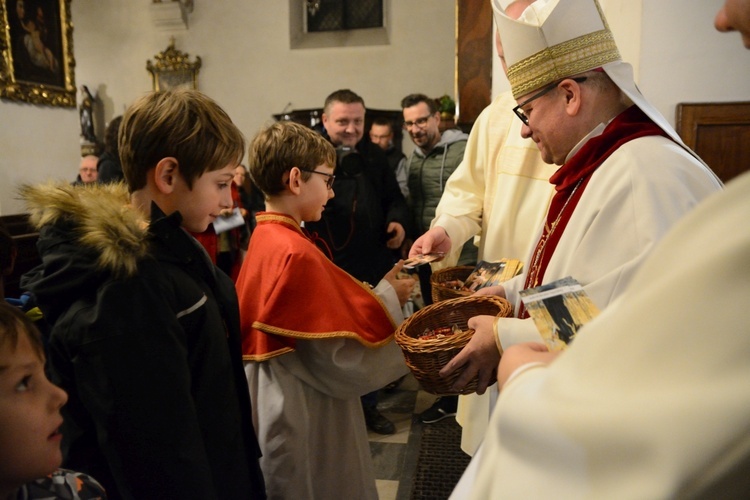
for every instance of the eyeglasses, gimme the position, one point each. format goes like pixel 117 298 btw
pixel 419 122
pixel 520 113
pixel 329 181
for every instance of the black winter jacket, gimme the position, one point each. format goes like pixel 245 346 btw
pixel 367 198
pixel 146 341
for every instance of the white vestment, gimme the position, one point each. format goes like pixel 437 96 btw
pixel 652 400
pixel 500 191
pixel 308 416
pixel 630 202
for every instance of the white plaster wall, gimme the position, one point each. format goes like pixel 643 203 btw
pixel 248 68
pixel 684 58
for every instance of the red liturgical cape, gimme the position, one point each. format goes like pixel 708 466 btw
pixel 288 289
pixel 570 181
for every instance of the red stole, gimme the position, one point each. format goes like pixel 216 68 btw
pixel 288 290
pixel 571 179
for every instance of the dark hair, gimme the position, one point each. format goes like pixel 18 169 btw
pixel 414 99
pixel 13 324
pixel 383 121
pixel 281 146
pixel 344 96
pixel 181 123
pixel 110 136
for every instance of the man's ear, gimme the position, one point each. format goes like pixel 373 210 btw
pixel 572 92
pixel 166 173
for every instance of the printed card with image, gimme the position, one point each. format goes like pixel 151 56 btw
pixel 559 309
pixel 421 259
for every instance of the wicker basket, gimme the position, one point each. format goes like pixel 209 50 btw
pixel 425 357
pixel 438 280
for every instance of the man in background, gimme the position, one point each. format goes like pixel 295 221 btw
pixel 87 171
pixel 381 134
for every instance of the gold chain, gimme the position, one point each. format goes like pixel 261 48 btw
pixel 541 247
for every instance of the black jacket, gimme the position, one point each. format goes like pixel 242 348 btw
pixel 367 198
pixel 146 341
pixel 109 168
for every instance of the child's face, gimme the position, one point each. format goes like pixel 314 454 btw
pixel 211 193
pixel 29 416
pixel 316 194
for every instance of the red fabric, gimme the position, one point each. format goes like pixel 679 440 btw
pixel 627 126
pixel 288 289
pixel 209 240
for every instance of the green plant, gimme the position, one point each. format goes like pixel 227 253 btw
pixel 446 104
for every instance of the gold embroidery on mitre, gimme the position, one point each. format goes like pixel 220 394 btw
pixel 572 57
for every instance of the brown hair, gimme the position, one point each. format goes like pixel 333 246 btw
pixel 344 96
pixel 414 99
pixel 383 121
pixel 13 324
pixel 281 146
pixel 182 123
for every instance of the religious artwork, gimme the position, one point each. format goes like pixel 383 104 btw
pixel 173 69
pixel 36 61
pixel 559 309
pixel 86 112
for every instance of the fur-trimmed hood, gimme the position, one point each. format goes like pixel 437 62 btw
pixel 88 235
pixel 101 219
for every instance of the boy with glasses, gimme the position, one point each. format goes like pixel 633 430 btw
pixel 365 223
pixel 314 338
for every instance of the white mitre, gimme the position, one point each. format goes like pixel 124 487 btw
pixel 556 39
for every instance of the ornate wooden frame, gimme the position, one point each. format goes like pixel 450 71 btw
pixel 173 69
pixel 36 54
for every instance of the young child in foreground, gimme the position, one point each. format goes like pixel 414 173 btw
pixel 145 331
pixel 30 420
pixel 314 338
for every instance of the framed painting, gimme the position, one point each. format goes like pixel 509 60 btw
pixel 173 69
pixel 36 52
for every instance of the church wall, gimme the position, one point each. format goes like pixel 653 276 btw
pixel 247 66
pixel 250 70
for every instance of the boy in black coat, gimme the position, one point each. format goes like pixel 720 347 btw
pixel 145 334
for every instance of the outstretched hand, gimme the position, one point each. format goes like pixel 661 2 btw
pixel 434 240
pixel 403 286
pixel 498 290
pixel 479 357
pixel 398 235
pixel 521 354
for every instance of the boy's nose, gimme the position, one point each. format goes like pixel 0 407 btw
pixel 226 199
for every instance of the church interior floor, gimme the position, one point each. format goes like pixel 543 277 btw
pixel 397 456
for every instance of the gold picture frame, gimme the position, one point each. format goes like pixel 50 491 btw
pixel 36 52
pixel 173 69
